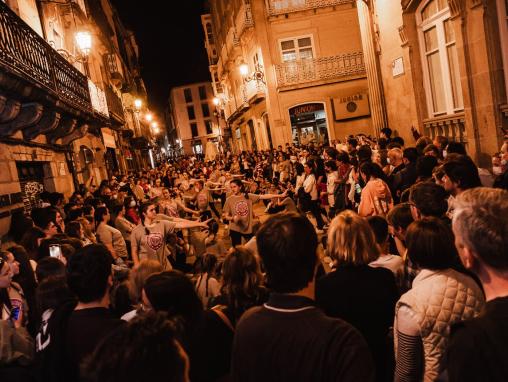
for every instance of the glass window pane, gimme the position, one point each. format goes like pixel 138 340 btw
pixel 458 102
pixel 304 42
pixel 431 42
pixel 429 10
pixel 436 83
pixel 449 32
pixel 290 44
pixel 289 56
pixel 305 53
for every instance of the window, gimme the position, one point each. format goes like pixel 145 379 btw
pixel 191 113
pixel 194 129
pixel 209 33
pixel 299 48
pixel 187 93
pixel 502 14
pixel 202 92
pixel 205 109
pixel 209 126
pixel 440 59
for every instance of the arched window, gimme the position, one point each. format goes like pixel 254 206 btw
pixel 440 60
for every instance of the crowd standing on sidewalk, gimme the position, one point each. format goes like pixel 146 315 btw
pixel 374 259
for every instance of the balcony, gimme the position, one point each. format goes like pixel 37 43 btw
pixel 98 98
pixel 253 91
pixel 243 20
pixel 115 107
pixel 451 126
pixel 323 69
pixel 280 7
pixel 27 56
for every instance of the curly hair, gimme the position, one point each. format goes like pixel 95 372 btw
pixel 151 352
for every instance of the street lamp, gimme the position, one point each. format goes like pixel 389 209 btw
pixel 138 103
pixel 244 69
pixel 216 101
pixel 149 117
pixel 84 43
pixel 258 74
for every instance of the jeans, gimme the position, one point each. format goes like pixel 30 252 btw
pixel 236 237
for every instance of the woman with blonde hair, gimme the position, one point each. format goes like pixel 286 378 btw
pixel 357 293
pixel 242 286
pixel 137 278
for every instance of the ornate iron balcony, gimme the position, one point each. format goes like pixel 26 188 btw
pixel 320 69
pixel 115 106
pixel 280 7
pixel 28 56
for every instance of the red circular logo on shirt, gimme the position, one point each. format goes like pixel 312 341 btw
pixel 154 241
pixel 242 208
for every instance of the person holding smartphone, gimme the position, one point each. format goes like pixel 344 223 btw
pixel 16 346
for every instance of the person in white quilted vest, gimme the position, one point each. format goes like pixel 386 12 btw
pixel 478 348
pixel 442 294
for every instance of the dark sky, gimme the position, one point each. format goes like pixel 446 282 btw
pixel 171 44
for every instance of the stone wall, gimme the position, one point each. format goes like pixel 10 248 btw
pixel 56 177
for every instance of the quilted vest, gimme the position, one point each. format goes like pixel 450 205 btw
pixel 439 299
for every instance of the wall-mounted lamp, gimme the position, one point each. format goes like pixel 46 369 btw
pixel 84 43
pixel 257 75
pixel 149 117
pixel 138 103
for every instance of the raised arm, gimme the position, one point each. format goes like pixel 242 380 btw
pixel 184 224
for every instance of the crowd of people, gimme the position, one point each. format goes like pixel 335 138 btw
pixel 369 259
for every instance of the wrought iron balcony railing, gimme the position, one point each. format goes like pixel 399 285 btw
pixel 279 7
pixel 115 106
pixel 253 90
pixel 243 19
pixel 27 55
pixel 320 69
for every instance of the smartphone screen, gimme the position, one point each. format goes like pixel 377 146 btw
pixel 55 251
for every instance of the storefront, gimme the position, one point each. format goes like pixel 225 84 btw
pixel 308 124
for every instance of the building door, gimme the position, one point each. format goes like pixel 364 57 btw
pixel 31 180
pixel 266 121
pixel 308 124
pixel 111 161
pixel 252 135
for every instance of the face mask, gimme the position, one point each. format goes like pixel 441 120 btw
pixel 132 203
pixel 444 153
pixel 497 170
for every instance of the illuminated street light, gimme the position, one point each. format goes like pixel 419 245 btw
pixel 154 125
pixel 84 42
pixel 138 103
pixel 149 117
pixel 216 101
pixel 244 69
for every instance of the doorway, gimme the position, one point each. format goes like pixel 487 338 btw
pixel 308 124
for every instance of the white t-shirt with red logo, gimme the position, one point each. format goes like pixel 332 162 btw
pixel 153 245
pixel 238 205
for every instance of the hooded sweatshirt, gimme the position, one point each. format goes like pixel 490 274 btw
pixel 376 199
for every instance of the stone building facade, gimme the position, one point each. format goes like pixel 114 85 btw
pixel 194 117
pixel 444 69
pixel 439 67
pixel 62 114
pixel 289 71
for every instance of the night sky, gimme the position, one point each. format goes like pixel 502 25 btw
pixel 171 45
